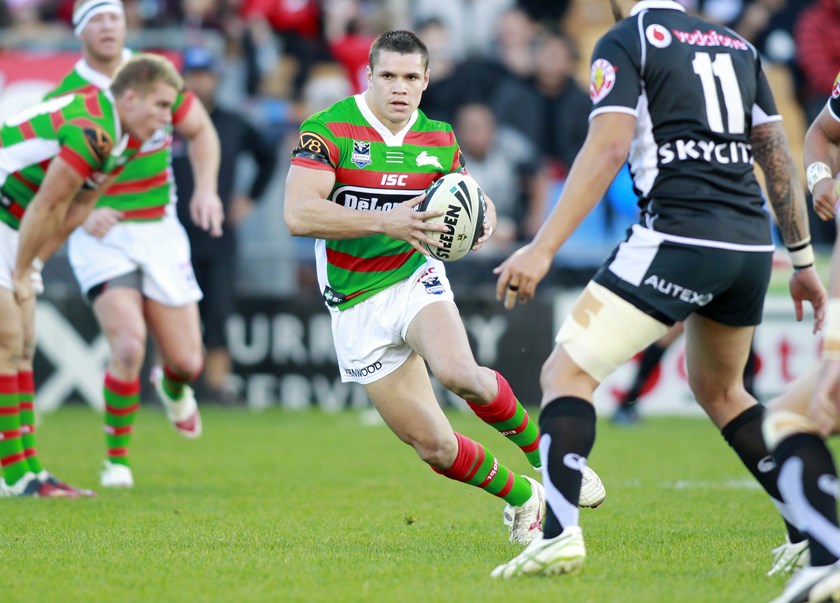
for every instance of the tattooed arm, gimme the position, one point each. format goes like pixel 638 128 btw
pixel 784 187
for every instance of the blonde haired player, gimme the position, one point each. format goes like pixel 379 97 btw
pixel 132 256
pixel 60 150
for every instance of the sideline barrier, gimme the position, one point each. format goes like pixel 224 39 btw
pixel 283 354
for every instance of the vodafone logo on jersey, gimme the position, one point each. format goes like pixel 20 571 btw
pixel 601 80
pixel 658 36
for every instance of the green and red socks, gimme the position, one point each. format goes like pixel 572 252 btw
pixel 26 385
pixel 507 416
pixel 12 457
pixel 173 383
pixel 122 401
pixel 476 466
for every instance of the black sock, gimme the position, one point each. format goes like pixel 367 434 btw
pixel 567 428
pixel 743 433
pixel 650 359
pixel 804 462
pixel 749 373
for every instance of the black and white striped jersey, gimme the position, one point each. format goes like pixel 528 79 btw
pixel 696 90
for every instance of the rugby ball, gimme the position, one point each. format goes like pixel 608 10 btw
pixel 461 200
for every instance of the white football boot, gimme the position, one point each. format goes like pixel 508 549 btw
pixel 592 491
pixel 115 475
pixel 563 554
pixel 812 585
pixel 789 557
pixel 183 413
pixel 525 522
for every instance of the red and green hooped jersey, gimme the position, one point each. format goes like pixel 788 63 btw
pixel 146 185
pixel 84 130
pixel 374 169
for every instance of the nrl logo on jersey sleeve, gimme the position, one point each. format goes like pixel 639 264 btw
pixel 361 154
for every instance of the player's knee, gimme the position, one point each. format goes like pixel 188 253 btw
pixel 710 391
pixel 186 365
pixel 780 424
pixel 128 350
pixel 437 451
pixel 461 378
pixel 558 370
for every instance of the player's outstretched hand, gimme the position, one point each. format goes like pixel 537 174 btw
pixel 825 403
pixel 207 212
pixel 405 223
pixel 520 274
pixel 489 226
pixel 826 193
pixel 101 221
pixel 805 285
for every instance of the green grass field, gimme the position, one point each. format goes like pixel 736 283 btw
pixel 315 507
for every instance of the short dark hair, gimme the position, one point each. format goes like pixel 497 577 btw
pixel 400 41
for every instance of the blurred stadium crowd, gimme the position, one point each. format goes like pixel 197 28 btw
pixel 510 75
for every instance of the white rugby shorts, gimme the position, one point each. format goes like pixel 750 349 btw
pixel 370 336
pixel 159 249
pixel 8 254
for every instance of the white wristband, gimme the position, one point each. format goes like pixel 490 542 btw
pixel 801 254
pixel 817 171
pixel 38 264
pixel 831 341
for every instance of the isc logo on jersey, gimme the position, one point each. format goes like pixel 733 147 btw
pixel 461 200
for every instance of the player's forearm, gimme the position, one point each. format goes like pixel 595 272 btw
pixel 821 142
pixel 784 186
pixel 323 219
pixel 204 152
pixel 76 214
pixel 39 225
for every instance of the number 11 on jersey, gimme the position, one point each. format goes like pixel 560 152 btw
pixel 722 69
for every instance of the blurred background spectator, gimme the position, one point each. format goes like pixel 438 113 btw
pixel 502 161
pixel 214 258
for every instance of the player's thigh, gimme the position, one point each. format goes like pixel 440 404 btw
pixel 177 332
pixel 406 401
pixel 602 332
pixel 438 335
pixel 119 312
